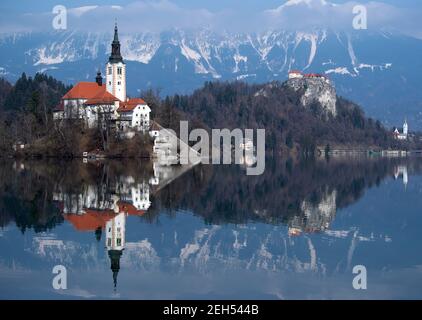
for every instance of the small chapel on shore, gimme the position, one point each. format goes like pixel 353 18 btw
pixel 404 132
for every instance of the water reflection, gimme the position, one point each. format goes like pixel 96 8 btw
pixel 401 171
pixel 103 206
pixel 200 221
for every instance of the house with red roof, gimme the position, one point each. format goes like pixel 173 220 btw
pixel 133 113
pixel 98 103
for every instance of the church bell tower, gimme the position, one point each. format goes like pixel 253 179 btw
pixel 116 70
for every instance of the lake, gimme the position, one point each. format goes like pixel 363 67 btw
pixel 138 230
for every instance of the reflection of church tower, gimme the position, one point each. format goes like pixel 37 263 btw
pixel 402 170
pixel 114 256
pixel 115 242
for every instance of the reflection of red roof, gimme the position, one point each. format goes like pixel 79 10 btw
pixel 295 71
pixel 129 209
pixel 131 104
pixel 91 220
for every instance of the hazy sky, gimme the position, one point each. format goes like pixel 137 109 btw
pixel 213 5
pixel 238 15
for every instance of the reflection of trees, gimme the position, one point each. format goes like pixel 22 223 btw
pixel 305 194
pixel 27 189
pixel 26 199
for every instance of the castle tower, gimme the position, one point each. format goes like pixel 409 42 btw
pixel 115 242
pixel 116 70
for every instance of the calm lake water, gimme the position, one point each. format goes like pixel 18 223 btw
pixel 140 231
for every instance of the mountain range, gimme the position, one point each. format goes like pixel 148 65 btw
pixel 380 70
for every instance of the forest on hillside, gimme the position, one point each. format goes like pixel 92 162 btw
pixel 277 108
pixel 26 115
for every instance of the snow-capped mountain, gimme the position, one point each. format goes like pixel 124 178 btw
pixel 379 70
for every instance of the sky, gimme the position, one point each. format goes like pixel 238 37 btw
pixel 238 15
pixel 212 5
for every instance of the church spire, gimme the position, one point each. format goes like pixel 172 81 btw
pixel 115 48
pixel 116 35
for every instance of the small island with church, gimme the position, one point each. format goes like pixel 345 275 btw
pixel 98 119
pixel 107 106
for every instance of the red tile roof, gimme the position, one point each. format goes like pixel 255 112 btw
pixel 92 92
pixel 102 97
pixel 84 90
pixel 131 104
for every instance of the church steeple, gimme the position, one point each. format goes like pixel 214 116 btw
pixel 116 70
pixel 115 48
pixel 116 35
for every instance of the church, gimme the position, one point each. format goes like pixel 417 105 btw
pixel 401 135
pixel 100 104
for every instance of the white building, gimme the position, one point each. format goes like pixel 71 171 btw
pixel 97 103
pixel 115 232
pixel 404 134
pixel 134 114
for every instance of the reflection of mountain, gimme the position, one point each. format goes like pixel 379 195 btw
pixel 118 204
pixel 316 217
pixel 215 248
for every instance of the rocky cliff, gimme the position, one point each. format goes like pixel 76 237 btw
pixel 316 90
